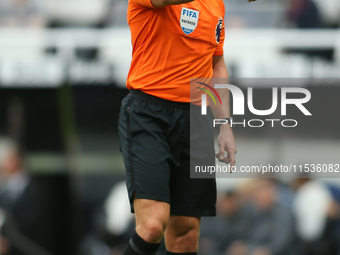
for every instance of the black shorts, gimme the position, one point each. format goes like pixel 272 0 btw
pixel 155 141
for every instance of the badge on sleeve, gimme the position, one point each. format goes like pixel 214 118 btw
pixel 188 20
pixel 218 30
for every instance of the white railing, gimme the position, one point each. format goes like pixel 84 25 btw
pixel 255 53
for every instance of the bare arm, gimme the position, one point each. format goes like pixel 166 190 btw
pixel 226 140
pixel 220 71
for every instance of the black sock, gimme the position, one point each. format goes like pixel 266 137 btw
pixel 174 253
pixel 137 246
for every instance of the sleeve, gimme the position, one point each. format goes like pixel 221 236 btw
pixel 219 48
pixel 144 3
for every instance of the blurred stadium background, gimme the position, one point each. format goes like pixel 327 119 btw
pixel 63 65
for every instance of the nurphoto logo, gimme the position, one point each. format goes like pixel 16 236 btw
pixel 239 104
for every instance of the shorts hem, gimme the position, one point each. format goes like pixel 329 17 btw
pixel 154 197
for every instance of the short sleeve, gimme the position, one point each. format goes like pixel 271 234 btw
pixel 144 3
pixel 219 48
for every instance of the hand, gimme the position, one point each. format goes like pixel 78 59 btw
pixel 226 143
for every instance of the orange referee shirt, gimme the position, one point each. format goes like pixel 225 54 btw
pixel 172 45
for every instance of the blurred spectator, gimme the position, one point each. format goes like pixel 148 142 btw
pixel 316 213
pixel 285 195
pixel 21 13
pixel 232 223
pixel 304 14
pixel 272 230
pixel 24 203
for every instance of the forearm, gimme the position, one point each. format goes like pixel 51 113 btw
pixel 220 72
pixel 226 142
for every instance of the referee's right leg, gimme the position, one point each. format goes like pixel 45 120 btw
pixel 144 149
pixel 151 220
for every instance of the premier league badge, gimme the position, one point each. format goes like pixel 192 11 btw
pixel 218 30
pixel 188 20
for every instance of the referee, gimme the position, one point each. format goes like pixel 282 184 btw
pixel 173 41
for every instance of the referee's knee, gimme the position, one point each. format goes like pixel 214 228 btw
pixel 190 239
pixel 151 219
pixel 151 230
pixel 184 242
